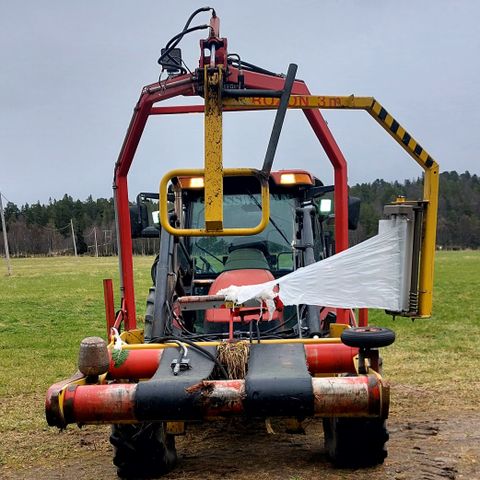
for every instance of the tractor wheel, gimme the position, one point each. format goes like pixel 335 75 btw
pixel 355 442
pixel 368 337
pixel 142 451
pixel 153 270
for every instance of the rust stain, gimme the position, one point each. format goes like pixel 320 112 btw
pixel 205 388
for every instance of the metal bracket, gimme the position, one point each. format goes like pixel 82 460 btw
pixel 414 212
pixel 180 365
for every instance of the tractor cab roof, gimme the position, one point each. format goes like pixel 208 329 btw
pixel 284 181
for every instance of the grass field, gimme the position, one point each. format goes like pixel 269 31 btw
pixel 50 304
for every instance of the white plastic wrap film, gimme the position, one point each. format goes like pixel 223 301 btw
pixel 406 247
pixel 368 275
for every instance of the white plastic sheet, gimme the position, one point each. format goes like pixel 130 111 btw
pixel 368 275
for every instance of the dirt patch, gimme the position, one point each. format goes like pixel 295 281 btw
pixel 426 447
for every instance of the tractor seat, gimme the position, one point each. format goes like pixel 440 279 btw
pixel 217 319
pixel 244 266
pixel 246 259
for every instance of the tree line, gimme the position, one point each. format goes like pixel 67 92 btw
pixel 458 224
pixel 45 229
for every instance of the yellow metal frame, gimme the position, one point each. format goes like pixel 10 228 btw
pixel 61 395
pixel 213 231
pixel 213 150
pixel 80 381
pixel 161 346
pixel 405 140
pixel 134 341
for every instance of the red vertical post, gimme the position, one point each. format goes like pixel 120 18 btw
pixel 109 304
pixel 123 212
pixel 362 317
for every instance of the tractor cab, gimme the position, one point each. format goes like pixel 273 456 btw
pixel 298 232
pixel 273 249
pixel 219 262
pixel 204 265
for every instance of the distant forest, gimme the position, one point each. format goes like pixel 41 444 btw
pixel 46 229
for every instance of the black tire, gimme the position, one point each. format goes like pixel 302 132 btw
pixel 368 337
pixel 153 270
pixel 355 442
pixel 142 451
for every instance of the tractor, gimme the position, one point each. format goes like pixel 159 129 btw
pixel 201 356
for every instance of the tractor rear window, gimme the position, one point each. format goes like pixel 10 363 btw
pixel 211 254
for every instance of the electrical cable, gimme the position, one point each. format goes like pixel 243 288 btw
pixel 247 335
pixel 258 329
pixel 192 344
pixel 178 36
pixel 196 12
pixel 182 347
pixel 253 68
pixel 54 229
pixel 186 67
pixel 239 60
pixel 270 333
pixel 276 328
pixel 5 197
pixel 175 40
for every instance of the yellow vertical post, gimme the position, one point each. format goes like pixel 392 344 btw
pixel 213 150
pixel 430 194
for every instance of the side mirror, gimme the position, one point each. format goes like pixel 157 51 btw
pixel 150 232
pixel 138 219
pixel 142 220
pixel 353 212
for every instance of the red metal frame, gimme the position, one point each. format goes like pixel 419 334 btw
pixel 184 85
pixel 362 317
pixel 150 94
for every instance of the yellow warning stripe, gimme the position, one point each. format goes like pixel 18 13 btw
pixel 400 135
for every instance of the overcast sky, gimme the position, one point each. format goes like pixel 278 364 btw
pixel 71 73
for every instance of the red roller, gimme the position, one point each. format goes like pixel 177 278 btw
pixel 362 396
pixel 325 358
pixel 330 358
pixel 99 403
pixel 139 364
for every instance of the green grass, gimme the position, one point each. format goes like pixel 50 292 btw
pixel 50 304
pixel 47 307
pixel 438 357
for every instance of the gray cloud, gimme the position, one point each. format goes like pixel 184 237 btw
pixel 72 72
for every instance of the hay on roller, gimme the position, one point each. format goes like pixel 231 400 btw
pixel 234 357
